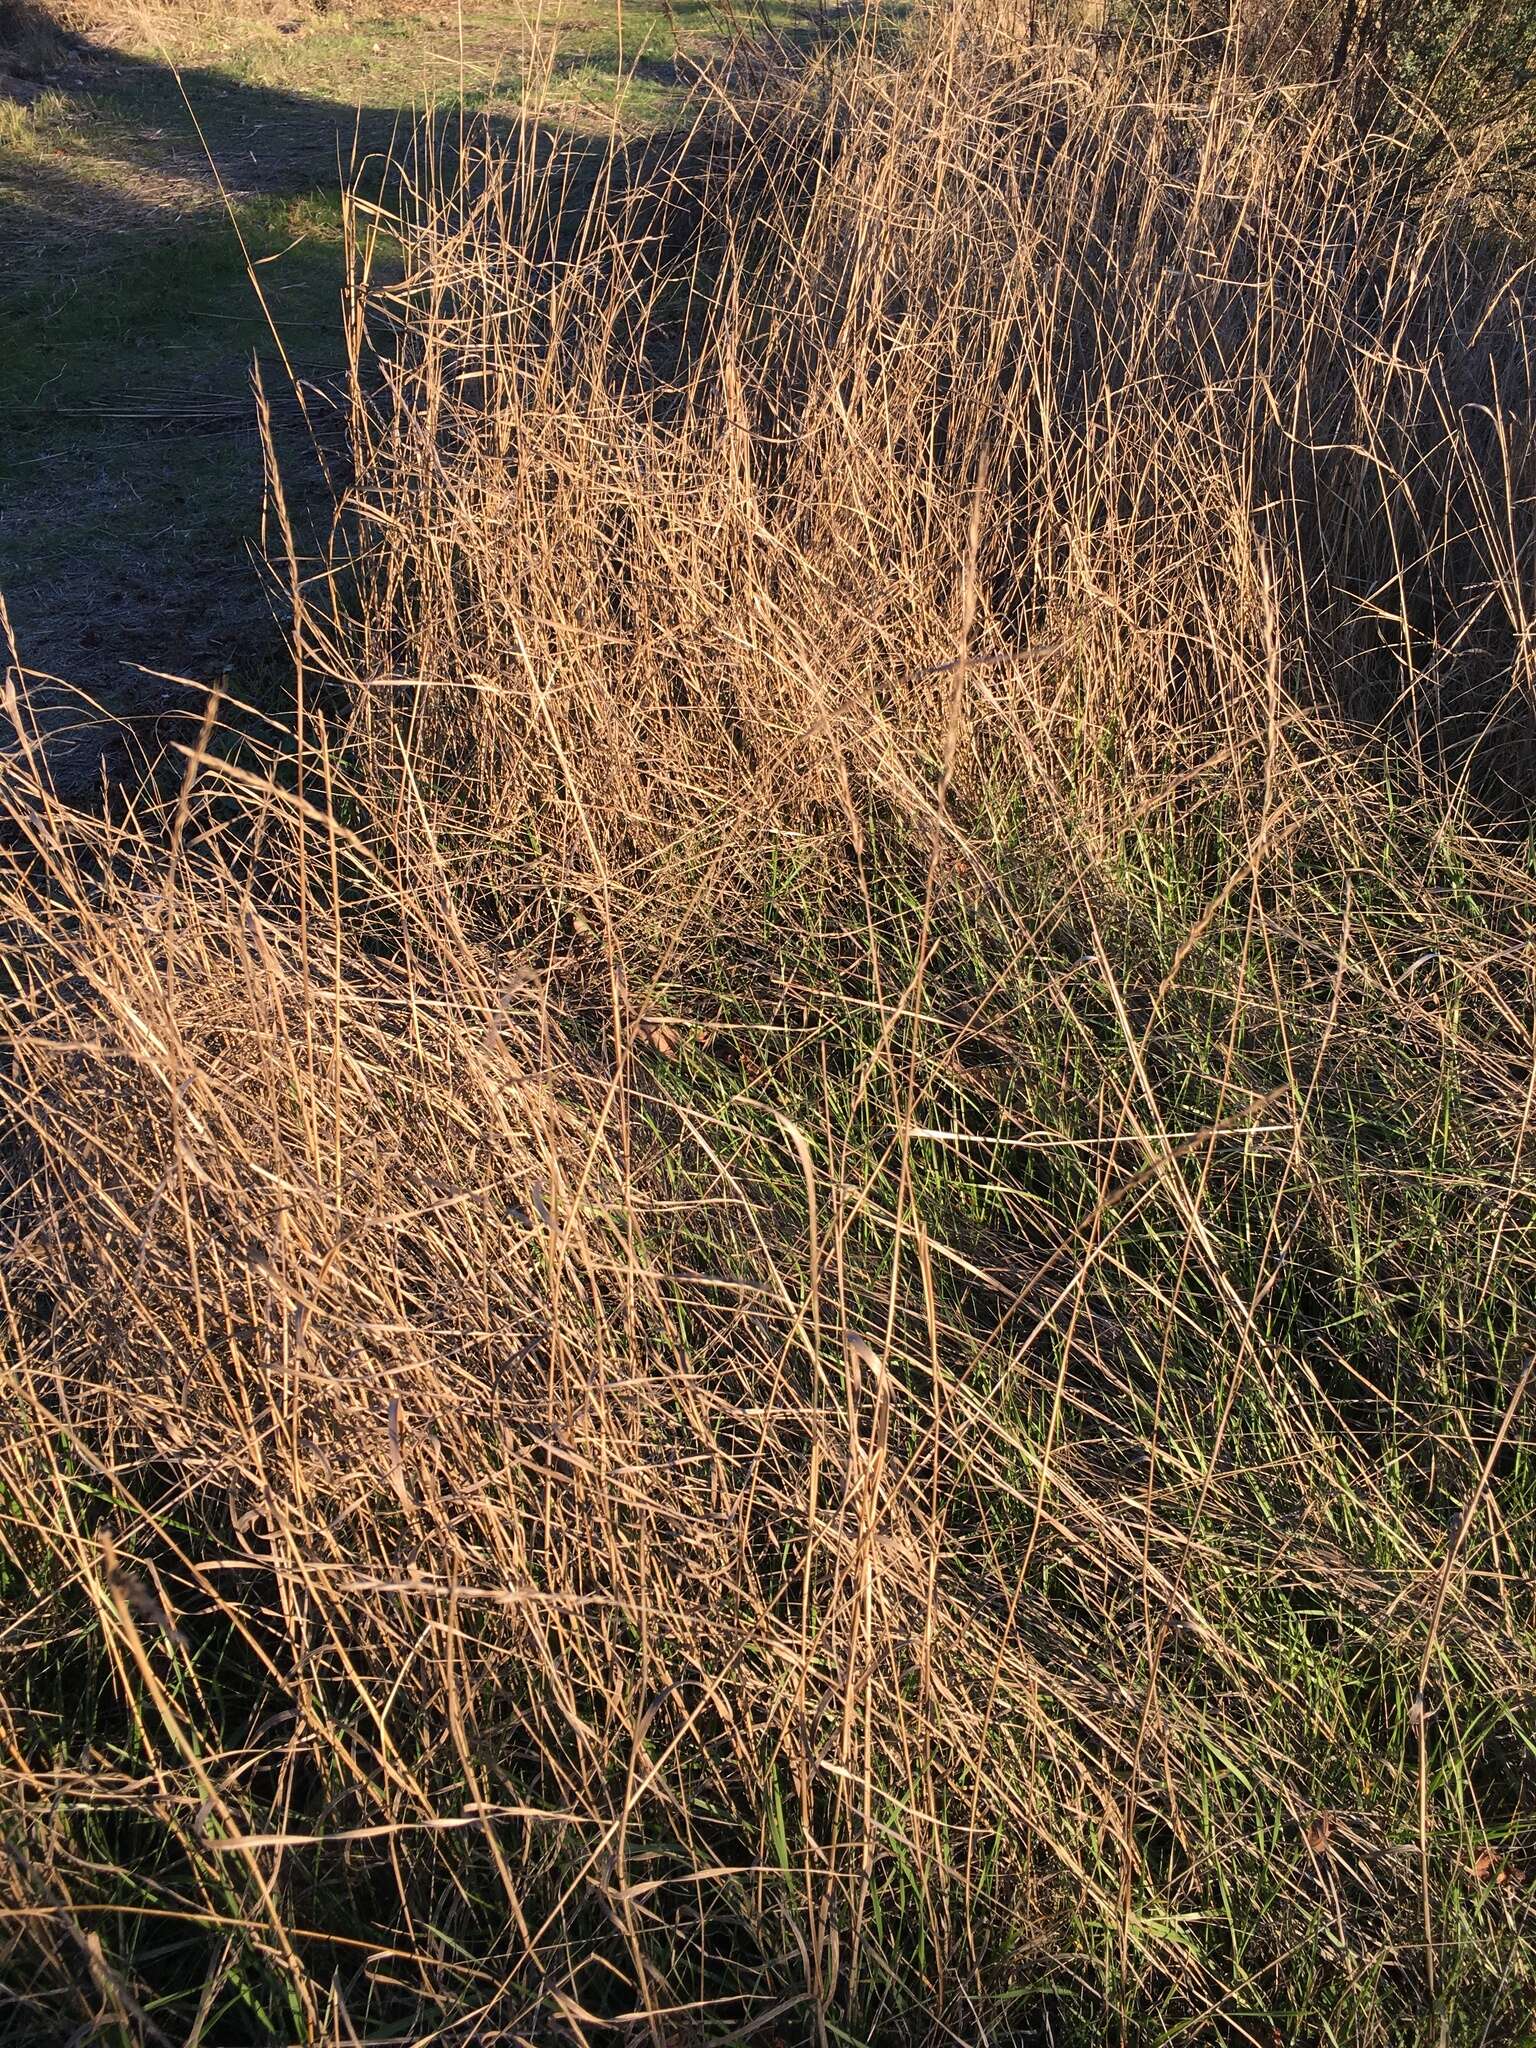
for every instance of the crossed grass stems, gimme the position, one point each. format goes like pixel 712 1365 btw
pixel 777 1287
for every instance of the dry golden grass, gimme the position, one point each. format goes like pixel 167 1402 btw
pixel 784 1291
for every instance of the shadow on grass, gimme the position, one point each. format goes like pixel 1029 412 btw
pixel 140 204
pixel 165 234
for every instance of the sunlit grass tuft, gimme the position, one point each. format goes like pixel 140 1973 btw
pixel 784 1292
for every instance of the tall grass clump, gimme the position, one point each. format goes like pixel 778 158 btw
pixel 782 1291
pixel 1447 78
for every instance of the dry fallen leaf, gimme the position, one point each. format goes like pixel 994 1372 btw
pixel 662 1036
